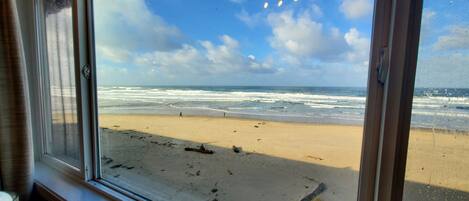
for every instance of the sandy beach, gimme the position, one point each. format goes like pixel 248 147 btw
pixel 263 160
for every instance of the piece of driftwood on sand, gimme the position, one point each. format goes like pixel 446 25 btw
pixel 310 197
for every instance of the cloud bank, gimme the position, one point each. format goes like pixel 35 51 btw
pixel 141 46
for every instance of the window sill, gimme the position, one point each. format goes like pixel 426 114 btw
pixel 56 185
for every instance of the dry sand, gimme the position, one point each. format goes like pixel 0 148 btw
pixel 278 161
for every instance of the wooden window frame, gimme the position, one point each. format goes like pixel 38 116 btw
pixel 396 27
pixel 400 89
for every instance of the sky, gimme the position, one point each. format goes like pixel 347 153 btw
pixel 245 42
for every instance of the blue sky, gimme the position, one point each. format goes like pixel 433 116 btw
pixel 239 42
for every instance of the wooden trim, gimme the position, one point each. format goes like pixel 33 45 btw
pixel 399 88
pixel 374 102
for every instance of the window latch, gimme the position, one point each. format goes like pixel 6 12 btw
pixel 86 71
pixel 383 65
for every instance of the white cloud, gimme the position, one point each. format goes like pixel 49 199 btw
pixel 457 38
pixel 266 66
pixel 354 9
pixel 179 60
pixel 130 25
pixel 134 41
pixel 326 56
pixel 360 46
pixel 426 29
pixel 117 55
pixel 304 43
pixel 316 10
pixel 210 59
pixel 113 74
pixel 129 32
pixel 251 20
pixel 445 70
pixel 427 16
pixel 301 37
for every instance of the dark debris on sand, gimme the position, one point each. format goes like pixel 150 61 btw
pixel 128 167
pixel 315 157
pixel 106 160
pixel 310 179
pixel 138 137
pixel 237 149
pixel 310 197
pixel 166 144
pixel 116 166
pixel 201 149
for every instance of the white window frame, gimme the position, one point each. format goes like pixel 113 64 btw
pixel 42 100
pixel 396 26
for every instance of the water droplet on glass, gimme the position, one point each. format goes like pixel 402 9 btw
pixel 280 2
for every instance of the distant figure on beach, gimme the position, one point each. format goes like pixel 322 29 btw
pixel 180 114
pixel 224 114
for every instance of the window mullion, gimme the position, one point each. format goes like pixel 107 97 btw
pixel 93 107
pixel 406 16
pixel 373 113
pixel 82 82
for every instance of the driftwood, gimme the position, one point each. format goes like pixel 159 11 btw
pixel 310 197
pixel 201 149
pixel 237 149
pixel 116 166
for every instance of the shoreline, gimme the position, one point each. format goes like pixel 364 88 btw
pixel 232 117
pixel 412 128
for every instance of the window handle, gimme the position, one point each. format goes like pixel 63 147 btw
pixel 383 65
pixel 86 71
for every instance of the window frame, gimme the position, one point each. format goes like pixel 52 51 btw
pixel 388 110
pixel 396 25
pixel 42 99
pixel 397 112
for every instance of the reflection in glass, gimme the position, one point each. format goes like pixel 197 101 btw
pixel 63 141
pixel 438 153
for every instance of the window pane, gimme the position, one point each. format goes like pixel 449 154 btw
pixel 63 140
pixel 232 100
pixel 438 153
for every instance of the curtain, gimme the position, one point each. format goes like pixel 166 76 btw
pixel 16 150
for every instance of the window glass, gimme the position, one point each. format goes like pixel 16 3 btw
pixel 232 99
pixel 62 141
pixel 438 153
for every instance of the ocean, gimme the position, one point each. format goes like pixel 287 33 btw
pixel 432 108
